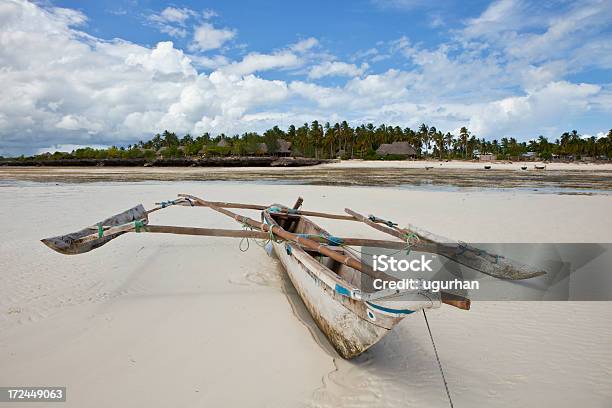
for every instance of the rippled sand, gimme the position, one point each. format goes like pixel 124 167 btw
pixel 161 320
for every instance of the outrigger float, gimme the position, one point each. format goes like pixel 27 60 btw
pixel 336 287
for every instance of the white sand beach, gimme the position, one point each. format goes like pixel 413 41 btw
pixel 160 320
pixel 462 164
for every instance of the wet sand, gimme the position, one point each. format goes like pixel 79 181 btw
pixel 564 179
pixel 161 320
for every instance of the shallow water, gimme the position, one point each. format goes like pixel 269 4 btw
pixel 551 181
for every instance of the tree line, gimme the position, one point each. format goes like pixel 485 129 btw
pixel 340 140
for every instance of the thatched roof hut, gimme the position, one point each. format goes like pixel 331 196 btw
pixel 283 147
pixel 486 157
pixel 145 151
pixel 223 143
pixel 397 149
pixel 262 148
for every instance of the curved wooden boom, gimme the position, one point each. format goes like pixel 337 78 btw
pixel 464 254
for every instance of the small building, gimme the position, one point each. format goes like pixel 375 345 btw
pixel 403 149
pixel 223 143
pixel 262 149
pixel 486 157
pixel 295 152
pixel 168 152
pixel 283 148
pixel 147 152
pixel 257 149
pixel 529 156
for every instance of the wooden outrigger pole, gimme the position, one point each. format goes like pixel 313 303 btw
pixel 136 220
pixel 462 253
pixel 417 240
pixel 216 232
pixel 448 298
pixel 300 240
pixel 220 204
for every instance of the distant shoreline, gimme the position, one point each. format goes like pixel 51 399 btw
pixel 233 161
pixel 283 162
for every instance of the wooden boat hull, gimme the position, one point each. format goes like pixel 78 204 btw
pixel 349 333
pixel 340 299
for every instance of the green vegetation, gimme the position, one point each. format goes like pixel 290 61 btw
pixel 341 140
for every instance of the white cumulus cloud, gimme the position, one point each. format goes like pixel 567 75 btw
pixel 305 45
pixel 255 62
pixel 176 15
pixel 172 20
pixel 63 87
pixel 207 37
pixel 336 68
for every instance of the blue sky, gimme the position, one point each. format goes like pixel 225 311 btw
pixel 344 27
pixel 100 73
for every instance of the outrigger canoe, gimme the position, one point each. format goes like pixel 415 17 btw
pixel 341 299
pixel 335 286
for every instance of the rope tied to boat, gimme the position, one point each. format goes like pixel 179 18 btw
pixel 245 223
pixel 374 218
pixel 411 238
pixel 276 209
pixel 244 242
pixel 272 236
pixel 450 400
pixel 168 203
pixel 139 225
pixel 331 240
pixel 334 241
pixel 463 247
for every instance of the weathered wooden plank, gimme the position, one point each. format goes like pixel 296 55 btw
pixel 462 253
pixel 86 241
pixel 298 203
pixel 65 243
pixel 221 204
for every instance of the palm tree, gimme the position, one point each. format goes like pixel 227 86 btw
pixel 316 136
pixel 464 135
pixel 302 137
pixel 449 138
pixel 328 138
